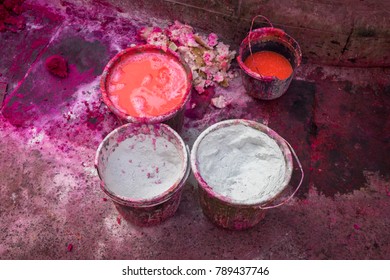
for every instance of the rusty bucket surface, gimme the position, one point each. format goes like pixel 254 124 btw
pixel 267 39
pixel 225 211
pixel 153 204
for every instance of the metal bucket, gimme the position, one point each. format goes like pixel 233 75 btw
pixel 226 211
pixel 267 39
pixel 132 163
pixel 175 117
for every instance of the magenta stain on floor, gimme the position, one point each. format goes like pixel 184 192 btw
pixel 50 128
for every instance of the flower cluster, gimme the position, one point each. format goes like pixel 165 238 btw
pixel 208 58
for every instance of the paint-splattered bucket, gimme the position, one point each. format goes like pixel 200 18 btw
pixel 143 169
pixel 267 39
pixel 238 211
pixel 173 118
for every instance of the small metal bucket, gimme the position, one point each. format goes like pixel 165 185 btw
pixel 175 117
pixel 225 211
pixel 148 210
pixel 267 39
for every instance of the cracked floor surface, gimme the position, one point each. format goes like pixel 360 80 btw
pixel 335 118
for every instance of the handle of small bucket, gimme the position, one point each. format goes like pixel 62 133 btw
pixel 250 31
pixel 300 182
pixel 266 19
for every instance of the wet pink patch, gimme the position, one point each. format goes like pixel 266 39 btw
pixel 57 65
pixel 357 227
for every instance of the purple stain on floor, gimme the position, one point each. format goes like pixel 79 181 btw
pixel 357 227
pixel 335 118
pixel 199 103
pixel 57 65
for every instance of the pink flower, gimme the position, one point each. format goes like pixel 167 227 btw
pixel 199 85
pixel 224 65
pixel 223 50
pixel 219 102
pixel 212 39
pixel 158 39
pixel 178 31
pixel 208 83
pixel 199 89
pixel 144 32
pixel 208 57
pixel 189 40
pixel 218 77
pixel 156 29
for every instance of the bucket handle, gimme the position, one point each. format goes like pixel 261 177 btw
pixel 250 32
pixel 266 19
pixel 300 182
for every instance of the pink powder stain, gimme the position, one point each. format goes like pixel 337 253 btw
pixel 199 104
pixel 305 201
pixel 29 102
pixel 10 18
pixel 357 227
pixel 94 116
pixel 57 65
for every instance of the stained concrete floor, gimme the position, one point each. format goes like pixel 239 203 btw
pixel 337 119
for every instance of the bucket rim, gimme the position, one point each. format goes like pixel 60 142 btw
pixel 168 193
pixel 261 127
pixel 138 49
pixel 272 31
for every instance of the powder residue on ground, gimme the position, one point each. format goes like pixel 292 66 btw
pixel 10 15
pixel 57 65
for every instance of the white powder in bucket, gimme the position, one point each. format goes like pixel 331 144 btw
pixel 242 163
pixel 143 167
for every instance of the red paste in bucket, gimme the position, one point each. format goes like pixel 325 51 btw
pixel 268 63
pixel 147 84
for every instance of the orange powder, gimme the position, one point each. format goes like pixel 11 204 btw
pixel 147 84
pixel 268 63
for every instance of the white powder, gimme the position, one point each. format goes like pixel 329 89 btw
pixel 241 163
pixel 143 167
